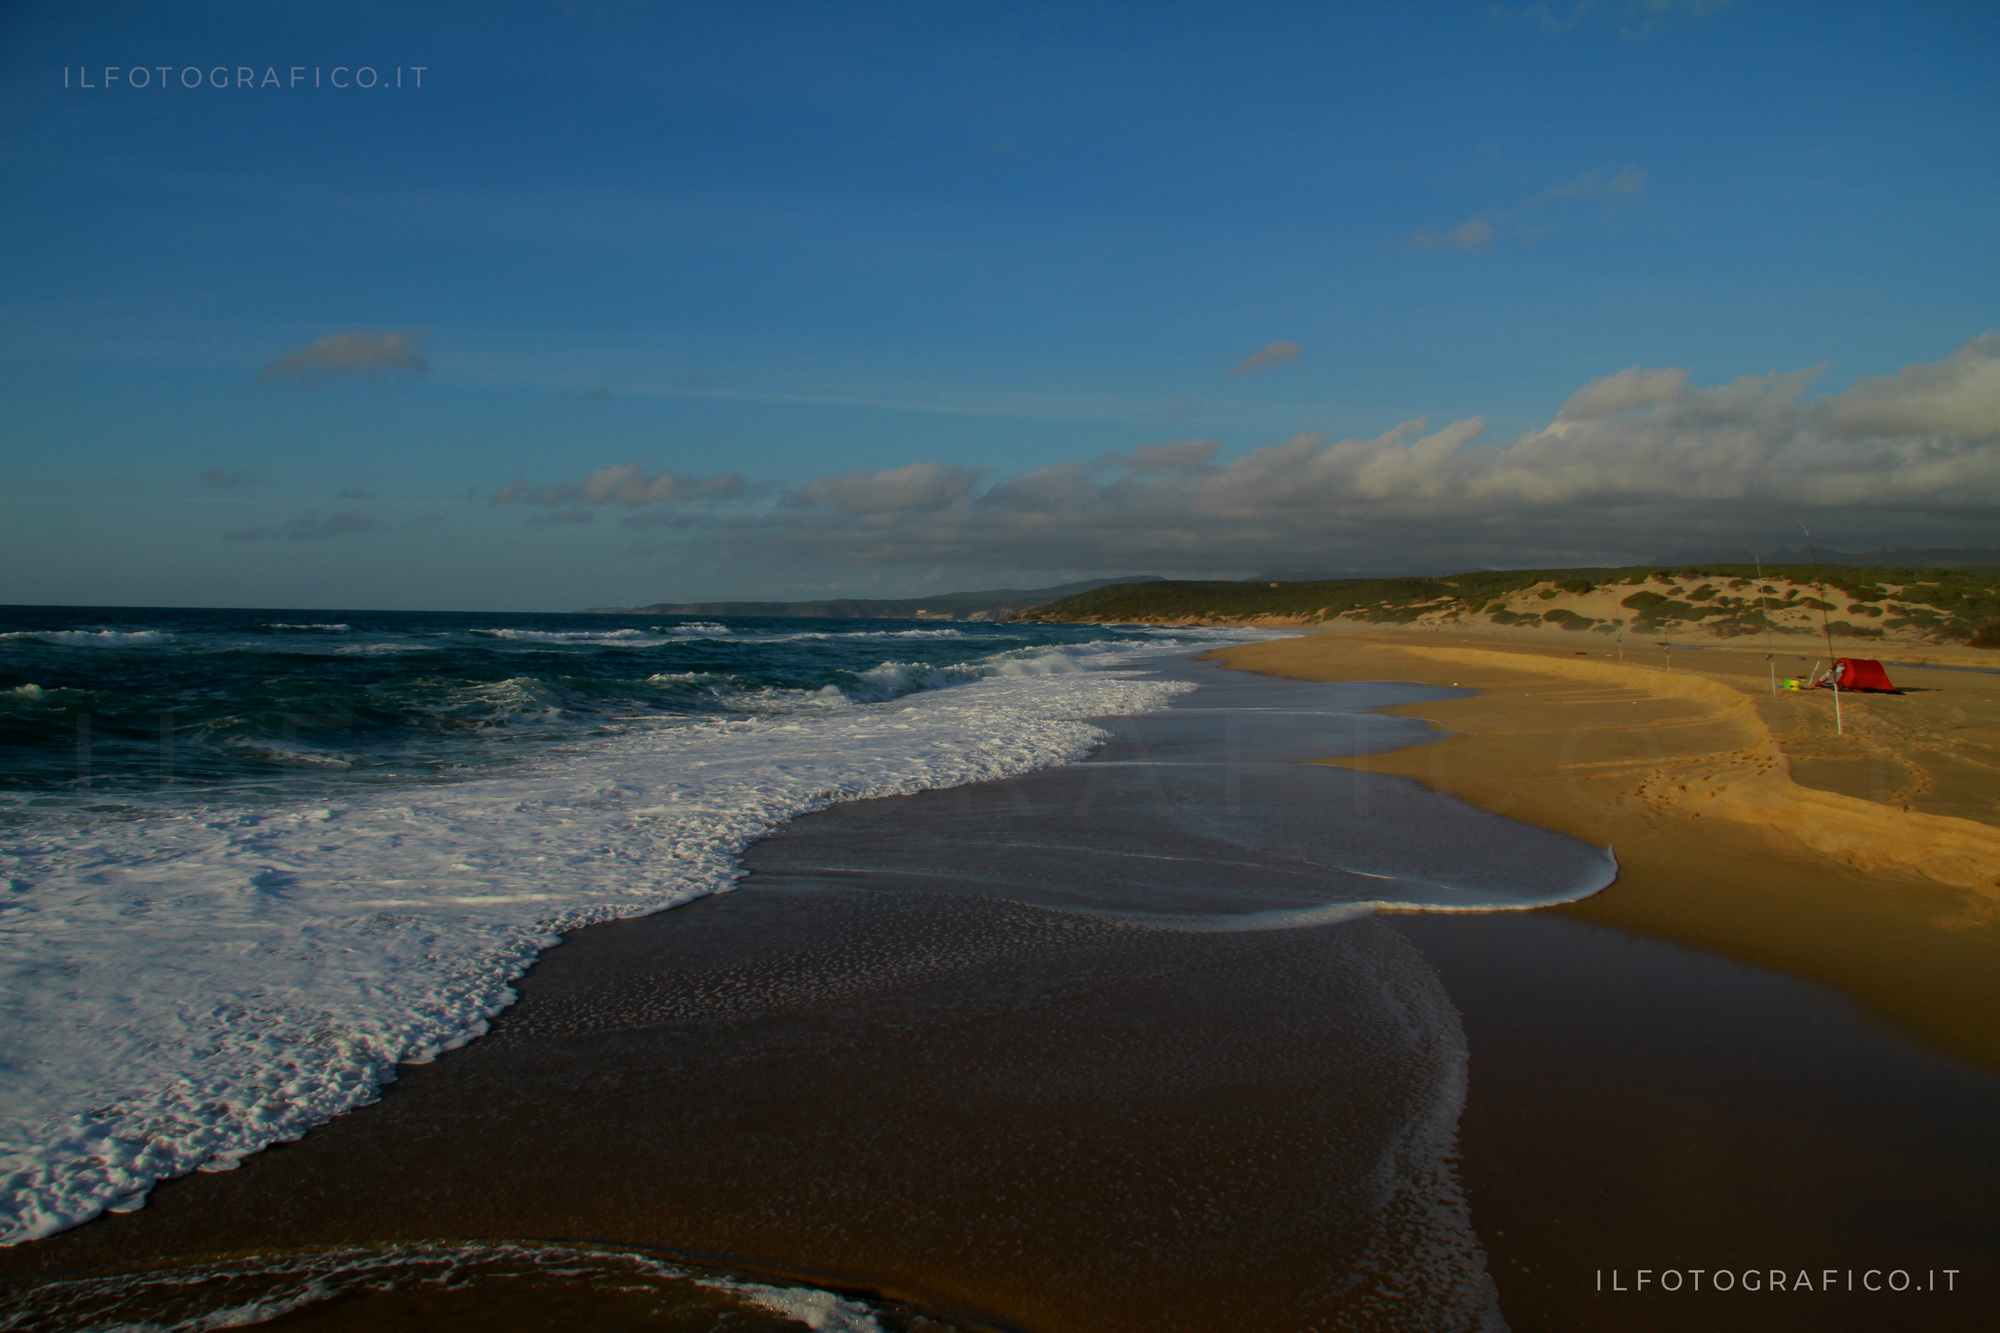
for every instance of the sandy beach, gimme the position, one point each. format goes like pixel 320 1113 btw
pixel 921 1055
pixel 1869 861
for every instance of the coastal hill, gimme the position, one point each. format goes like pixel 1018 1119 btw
pixel 1882 557
pixel 992 604
pixel 1896 605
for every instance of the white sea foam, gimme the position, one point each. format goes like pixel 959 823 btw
pixel 329 629
pixel 870 634
pixel 180 987
pixel 613 637
pixel 703 627
pixel 247 1290
pixel 815 1309
pixel 384 649
pixel 92 638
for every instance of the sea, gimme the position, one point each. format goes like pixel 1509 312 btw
pixel 254 860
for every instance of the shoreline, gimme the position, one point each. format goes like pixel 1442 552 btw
pixel 1718 846
pixel 892 1061
pixel 860 1072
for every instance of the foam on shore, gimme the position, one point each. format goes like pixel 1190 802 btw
pixel 185 985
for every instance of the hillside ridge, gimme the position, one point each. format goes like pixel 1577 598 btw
pixel 1894 605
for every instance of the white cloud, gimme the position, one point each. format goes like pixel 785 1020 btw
pixel 356 352
pixel 1270 354
pixel 1622 392
pixel 1634 463
pixel 1473 234
pixel 1957 396
pixel 1637 461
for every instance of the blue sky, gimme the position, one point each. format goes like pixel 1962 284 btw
pixel 895 298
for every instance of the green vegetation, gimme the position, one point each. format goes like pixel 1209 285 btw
pixel 1944 605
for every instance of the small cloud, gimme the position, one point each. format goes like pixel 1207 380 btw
pixel 1271 354
pixel 1472 234
pixel 570 515
pixel 220 480
pixel 354 493
pixel 1594 184
pixel 1479 233
pixel 357 352
pixel 306 528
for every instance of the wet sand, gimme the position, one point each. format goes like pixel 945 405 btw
pixel 899 1059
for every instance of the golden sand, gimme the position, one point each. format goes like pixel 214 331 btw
pixel 1867 860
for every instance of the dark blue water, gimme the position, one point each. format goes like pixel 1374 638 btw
pixel 102 699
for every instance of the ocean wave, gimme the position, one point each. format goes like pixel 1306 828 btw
pixel 91 638
pixel 329 629
pixel 292 956
pixel 382 649
pixel 292 755
pixel 700 627
pixel 615 638
pixel 809 635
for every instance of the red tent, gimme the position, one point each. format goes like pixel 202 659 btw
pixel 1858 673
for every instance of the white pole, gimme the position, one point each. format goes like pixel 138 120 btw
pixel 1832 662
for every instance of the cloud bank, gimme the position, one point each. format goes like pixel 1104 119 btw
pixel 1634 462
pixel 357 352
